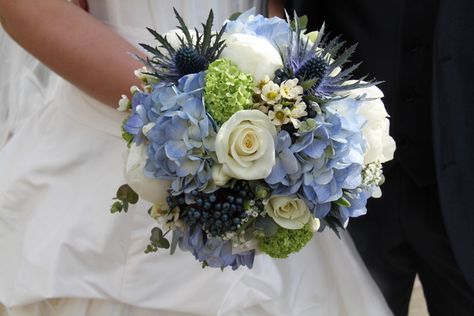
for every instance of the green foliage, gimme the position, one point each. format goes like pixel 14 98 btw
pixel 227 90
pixel 235 16
pixel 334 224
pixel 343 202
pixel 285 241
pixel 157 240
pixel 267 225
pixel 125 196
pixel 174 242
pixel 300 22
pixel 127 137
pixel 308 84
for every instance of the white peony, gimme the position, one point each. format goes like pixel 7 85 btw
pixel 380 145
pixel 245 145
pixel 173 37
pixel 149 189
pixel 253 55
pixel 289 212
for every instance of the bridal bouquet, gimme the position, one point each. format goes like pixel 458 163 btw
pixel 251 139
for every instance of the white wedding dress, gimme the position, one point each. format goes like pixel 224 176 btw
pixel 63 253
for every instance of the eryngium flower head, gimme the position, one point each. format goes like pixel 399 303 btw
pixel 194 53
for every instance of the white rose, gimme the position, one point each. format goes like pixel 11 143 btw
pixel 380 145
pixel 253 55
pixel 288 212
pixel 149 189
pixel 245 145
pixel 219 177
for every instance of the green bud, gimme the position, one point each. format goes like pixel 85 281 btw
pixel 117 207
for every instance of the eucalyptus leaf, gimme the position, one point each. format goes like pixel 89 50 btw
pixel 302 22
pixel 235 16
pixel 122 192
pixel 132 197
pixel 156 235
pixel 150 248
pixel 117 207
pixel 267 225
pixel 249 233
pixel 163 243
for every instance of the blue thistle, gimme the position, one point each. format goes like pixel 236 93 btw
pixel 193 55
pixel 314 63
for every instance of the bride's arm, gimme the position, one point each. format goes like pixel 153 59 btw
pixel 74 44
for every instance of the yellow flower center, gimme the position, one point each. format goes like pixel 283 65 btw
pixel 272 95
pixel 248 141
pixel 280 115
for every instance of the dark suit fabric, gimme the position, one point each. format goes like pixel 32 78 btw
pixel 424 223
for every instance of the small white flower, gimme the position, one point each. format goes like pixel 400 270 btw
pixel 124 103
pixel 134 89
pixel 168 220
pixel 271 93
pixel 261 83
pixel 290 90
pixel 280 115
pixel 298 110
pixel 140 73
pixel 143 75
pixel 263 108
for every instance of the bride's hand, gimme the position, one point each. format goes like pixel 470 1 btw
pixel 74 44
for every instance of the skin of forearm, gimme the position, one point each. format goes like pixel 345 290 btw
pixel 74 44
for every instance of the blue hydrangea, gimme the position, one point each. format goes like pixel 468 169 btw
pixel 332 155
pixel 324 161
pixel 215 252
pixel 358 200
pixel 275 30
pixel 182 137
pixel 286 176
pixel 145 109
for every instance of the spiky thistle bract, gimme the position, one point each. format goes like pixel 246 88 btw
pixel 195 52
pixel 319 65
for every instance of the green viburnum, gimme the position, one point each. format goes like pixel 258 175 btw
pixel 227 90
pixel 285 241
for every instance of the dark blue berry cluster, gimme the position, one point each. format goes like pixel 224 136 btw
pixel 218 213
pixel 280 76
